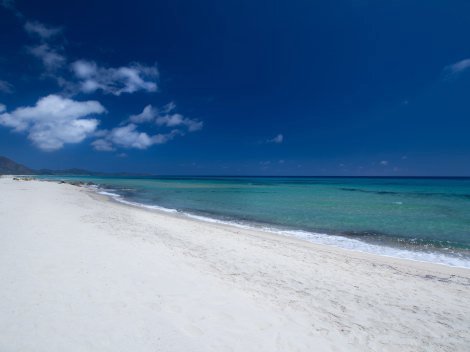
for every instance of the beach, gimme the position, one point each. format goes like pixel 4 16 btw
pixel 81 272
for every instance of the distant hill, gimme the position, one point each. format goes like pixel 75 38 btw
pixel 9 167
pixel 82 172
pixel 74 172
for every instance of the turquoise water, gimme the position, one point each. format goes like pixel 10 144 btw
pixel 422 215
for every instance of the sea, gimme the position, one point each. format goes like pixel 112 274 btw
pixel 424 219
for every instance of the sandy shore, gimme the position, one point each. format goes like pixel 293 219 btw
pixel 82 273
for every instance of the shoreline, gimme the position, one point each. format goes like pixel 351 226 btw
pixel 324 239
pixel 422 248
pixel 82 272
pixel 263 232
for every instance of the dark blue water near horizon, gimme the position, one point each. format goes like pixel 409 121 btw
pixel 429 216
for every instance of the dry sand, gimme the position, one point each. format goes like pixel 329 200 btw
pixel 82 273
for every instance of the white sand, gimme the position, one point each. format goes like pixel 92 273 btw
pixel 81 273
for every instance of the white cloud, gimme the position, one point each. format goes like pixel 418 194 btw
pixel 41 30
pixel 164 117
pixel 5 87
pixel 174 120
pixel 84 69
pixel 47 53
pixel 458 67
pixel 162 138
pixel 103 145
pixel 49 56
pixel 384 162
pixel 148 114
pixel 168 107
pixel 90 76
pixel 125 79
pixel 278 139
pixel 129 137
pixel 54 121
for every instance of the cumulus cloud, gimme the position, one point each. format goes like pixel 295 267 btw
pixel 40 30
pixel 173 120
pixel 5 87
pixel 166 117
pixel 103 145
pixel 277 139
pixel 129 137
pixel 54 121
pixel 458 67
pixel 125 79
pixel 147 115
pixel 50 57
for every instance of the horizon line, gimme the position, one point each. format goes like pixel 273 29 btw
pixel 130 174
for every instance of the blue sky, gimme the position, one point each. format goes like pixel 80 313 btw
pixel 237 87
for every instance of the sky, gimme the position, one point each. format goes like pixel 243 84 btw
pixel 244 87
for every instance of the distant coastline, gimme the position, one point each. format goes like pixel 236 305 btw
pixel 10 167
